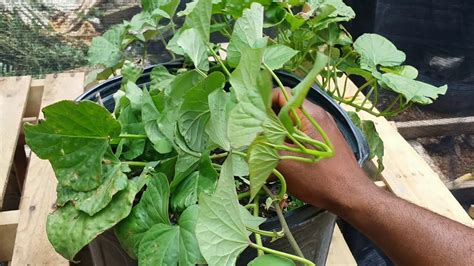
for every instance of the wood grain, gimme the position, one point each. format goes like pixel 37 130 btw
pixel 407 175
pixel 436 127
pixel 32 245
pixel 339 253
pixel 13 95
pixel 8 224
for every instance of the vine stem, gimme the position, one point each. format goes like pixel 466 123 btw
pixel 140 164
pixel 218 59
pixel 281 254
pixel 284 225
pixel 131 136
pixel 272 234
pixel 258 238
pixel 285 93
pixel 281 178
pixel 218 155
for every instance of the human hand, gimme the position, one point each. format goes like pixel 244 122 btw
pixel 325 183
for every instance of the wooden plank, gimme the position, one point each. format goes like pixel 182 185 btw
pixel 8 224
pixel 34 100
pixel 436 127
pixel 339 253
pixel 407 175
pixel 13 95
pixel 32 245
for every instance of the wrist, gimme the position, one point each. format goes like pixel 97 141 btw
pixel 353 195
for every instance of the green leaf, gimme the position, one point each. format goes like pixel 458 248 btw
pixel 69 229
pixel 333 35
pixel 194 112
pixel 405 71
pixel 106 49
pixel 262 160
pixel 245 123
pixel 249 219
pixel 152 209
pixel 131 71
pixel 199 19
pixel 188 190
pixel 160 78
pixel 220 230
pixel 277 55
pixel 341 9
pixel 235 8
pixel 219 101
pixel 270 259
pixel 169 6
pixel 273 129
pixel 74 138
pixel 150 116
pixel 94 201
pixel 376 50
pixel 247 117
pixel 141 24
pixel 248 32
pixel 165 244
pixel 239 165
pixel 194 47
pixel 413 90
pixel 185 165
pixel 376 145
pixel 134 94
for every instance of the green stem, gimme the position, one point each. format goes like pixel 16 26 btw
pixel 132 136
pixel 201 73
pixel 243 195
pixel 281 254
pixel 316 143
pixel 163 41
pixel 273 234
pixel 218 155
pixel 281 178
pixel 252 206
pixel 299 159
pixel 139 164
pixel 300 92
pixel 218 59
pixel 258 238
pixel 284 225
pixel 285 93
pixel 319 128
pixel 240 153
pixel 365 85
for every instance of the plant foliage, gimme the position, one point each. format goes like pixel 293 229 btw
pixel 183 139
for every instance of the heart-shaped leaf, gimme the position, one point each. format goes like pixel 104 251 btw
pixel 270 259
pixel 194 112
pixel 74 138
pixel 220 230
pixel 376 50
pixel 277 55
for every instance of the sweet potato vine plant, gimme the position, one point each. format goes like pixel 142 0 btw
pixel 180 168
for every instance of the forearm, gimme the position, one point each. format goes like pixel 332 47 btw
pixel 408 234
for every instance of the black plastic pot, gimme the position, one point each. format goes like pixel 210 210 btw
pixel 312 227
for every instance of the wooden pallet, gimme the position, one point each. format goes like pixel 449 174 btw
pixel 23 230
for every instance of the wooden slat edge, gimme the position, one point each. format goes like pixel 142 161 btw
pixel 33 104
pixel 436 127
pixel 8 225
pixel 14 93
